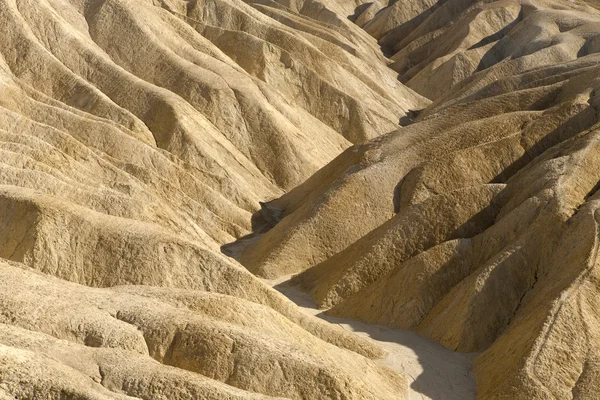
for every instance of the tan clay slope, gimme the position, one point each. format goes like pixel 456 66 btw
pixel 436 45
pixel 175 115
pixel 474 225
pixel 136 138
pixel 139 341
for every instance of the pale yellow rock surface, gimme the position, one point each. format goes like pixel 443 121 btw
pixel 221 338
pixel 425 165
pixel 397 231
pixel 138 137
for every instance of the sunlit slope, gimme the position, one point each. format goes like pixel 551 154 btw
pixel 136 138
pixel 475 223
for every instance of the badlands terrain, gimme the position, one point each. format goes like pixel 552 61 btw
pixel 426 172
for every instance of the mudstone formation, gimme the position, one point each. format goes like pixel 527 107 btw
pixel 423 165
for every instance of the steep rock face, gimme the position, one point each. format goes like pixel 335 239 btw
pixel 398 231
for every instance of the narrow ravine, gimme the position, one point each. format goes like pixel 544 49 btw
pixel 433 372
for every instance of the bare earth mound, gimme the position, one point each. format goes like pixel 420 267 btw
pixel 136 138
pixel 423 165
pixel 476 223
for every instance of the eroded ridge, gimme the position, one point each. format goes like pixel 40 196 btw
pixel 475 223
pixel 138 137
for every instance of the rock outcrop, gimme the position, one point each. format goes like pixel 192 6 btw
pixel 475 223
pixel 138 137
pixel 419 164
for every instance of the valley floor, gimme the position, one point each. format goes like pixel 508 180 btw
pixel 433 372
